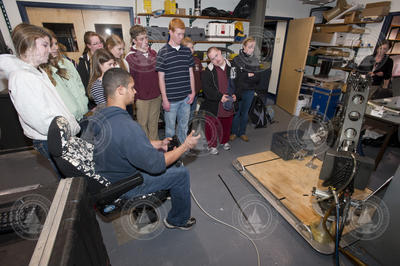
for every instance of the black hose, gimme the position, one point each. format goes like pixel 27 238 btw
pixel 353 258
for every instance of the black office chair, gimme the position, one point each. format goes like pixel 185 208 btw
pixel 74 157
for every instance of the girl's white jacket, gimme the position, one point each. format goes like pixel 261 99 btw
pixel 34 97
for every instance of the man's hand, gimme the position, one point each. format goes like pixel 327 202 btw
pixel 234 97
pixel 191 141
pixel 379 74
pixel 166 105
pixel 161 145
pixel 224 98
pixel 250 75
pixel 191 98
pixel 164 144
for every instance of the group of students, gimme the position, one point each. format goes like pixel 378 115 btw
pixel 173 78
pixel 44 83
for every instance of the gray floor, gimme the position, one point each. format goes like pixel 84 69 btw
pixel 209 243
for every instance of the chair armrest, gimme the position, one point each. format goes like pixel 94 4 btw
pixel 114 191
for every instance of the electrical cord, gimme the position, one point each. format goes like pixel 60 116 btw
pixel 228 225
pixel 356 260
pixel 337 227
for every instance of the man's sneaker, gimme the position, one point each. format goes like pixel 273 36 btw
pixel 189 224
pixel 213 151
pixel 232 137
pixel 226 146
pixel 244 138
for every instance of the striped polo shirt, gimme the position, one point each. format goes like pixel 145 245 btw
pixel 175 64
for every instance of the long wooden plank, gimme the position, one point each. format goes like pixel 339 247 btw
pixel 290 181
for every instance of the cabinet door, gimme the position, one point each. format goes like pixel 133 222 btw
pixel 38 16
pixel 98 21
pixel 294 61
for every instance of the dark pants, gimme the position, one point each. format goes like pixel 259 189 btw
pixel 242 115
pixel 217 129
pixel 43 149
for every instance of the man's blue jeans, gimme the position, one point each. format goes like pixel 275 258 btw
pixel 42 147
pixel 177 181
pixel 178 111
pixel 241 118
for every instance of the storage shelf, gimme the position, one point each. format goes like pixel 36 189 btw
pixel 340 24
pixel 338 68
pixel 164 41
pixel 341 46
pixel 195 17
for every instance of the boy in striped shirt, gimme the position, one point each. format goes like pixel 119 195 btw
pixel 176 79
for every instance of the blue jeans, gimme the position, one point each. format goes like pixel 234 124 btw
pixel 242 115
pixel 42 147
pixel 178 111
pixel 193 106
pixel 177 181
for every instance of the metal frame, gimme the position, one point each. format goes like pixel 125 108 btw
pixel 301 228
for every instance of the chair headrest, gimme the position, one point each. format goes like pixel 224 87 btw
pixel 59 131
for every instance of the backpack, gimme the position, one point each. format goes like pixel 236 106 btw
pixel 258 114
pixel 244 8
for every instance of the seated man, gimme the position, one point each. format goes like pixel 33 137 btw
pixel 122 149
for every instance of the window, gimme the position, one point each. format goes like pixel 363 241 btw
pixel 65 33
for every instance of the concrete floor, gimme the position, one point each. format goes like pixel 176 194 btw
pixel 209 243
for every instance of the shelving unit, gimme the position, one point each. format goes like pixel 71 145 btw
pixel 355 48
pixel 395 24
pixel 341 24
pixel 338 68
pixel 164 41
pixel 342 46
pixel 191 18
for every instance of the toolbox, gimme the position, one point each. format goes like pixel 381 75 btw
pixel 157 33
pixel 196 34
pixel 325 100
pixel 286 144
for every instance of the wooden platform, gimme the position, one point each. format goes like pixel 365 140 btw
pixel 288 185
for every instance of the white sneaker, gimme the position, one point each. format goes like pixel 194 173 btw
pixel 213 151
pixel 226 146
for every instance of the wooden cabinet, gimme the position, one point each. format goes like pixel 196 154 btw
pixel 393 35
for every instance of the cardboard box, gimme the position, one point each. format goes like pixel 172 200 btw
pixel 323 37
pixel 181 11
pixel 352 17
pixel 339 28
pixel 378 4
pixel 357 30
pixel 376 9
pixel 348 39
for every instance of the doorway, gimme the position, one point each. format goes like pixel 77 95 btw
pixel 70 22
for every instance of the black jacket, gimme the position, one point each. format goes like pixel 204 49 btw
pixel 244 65
pixel 385 66
pixel 209 81
pixel 84 69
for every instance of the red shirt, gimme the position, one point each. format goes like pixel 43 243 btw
pixel 143 71
pixel 223 88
